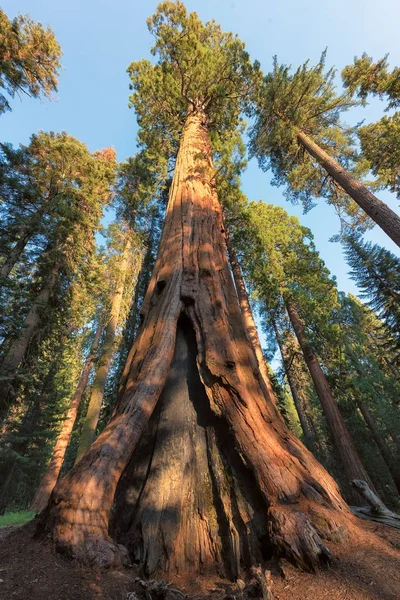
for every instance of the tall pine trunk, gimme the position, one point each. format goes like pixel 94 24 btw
pixel 247 313
pixel 379 212
pixel 107 352
pixel 394 469
pixel 353 467
pixel 220 477
pixel 16 251
pixel 50 477
pixel 19 346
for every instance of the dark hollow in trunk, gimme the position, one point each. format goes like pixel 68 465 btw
pixel 187 500
pixel 300 501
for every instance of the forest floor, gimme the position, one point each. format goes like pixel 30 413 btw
pixel 366 569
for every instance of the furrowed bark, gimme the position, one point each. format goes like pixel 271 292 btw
pixel 379 212
pixel 192 277
pixel 96 397
pixel 383 449
pixel 248 315
pixel 50 477
pixel 344 444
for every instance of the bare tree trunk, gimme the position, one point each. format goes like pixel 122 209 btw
pixel 351 462
pixel 383 449
pixel 297 500
pixel 379 212
pixel 107 352
pixel 18 347
pixel 299 403
pixel 50 477
pixel 24 235
pixel 248 315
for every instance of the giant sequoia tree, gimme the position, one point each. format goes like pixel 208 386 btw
pixel 202 471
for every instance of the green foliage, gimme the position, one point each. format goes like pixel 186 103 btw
pixel 307 101
pixel 365 77
pixel 29 59
pixel 199 68
pixel 377 273
pixel 380 141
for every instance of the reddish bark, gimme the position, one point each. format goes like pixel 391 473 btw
pixel 353 467
pixel 192 277
pixel 50 477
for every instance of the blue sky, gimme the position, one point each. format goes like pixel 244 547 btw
pixel 100 38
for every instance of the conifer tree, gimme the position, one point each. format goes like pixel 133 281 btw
pixel 289 276
pixel 67 187
pixel 380 141
pixel 194 405
pixel 29 59
pixel 299 136
pixel 377 273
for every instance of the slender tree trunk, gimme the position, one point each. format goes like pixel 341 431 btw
pixel 299 403
pixel 352 464
pixel 50 477
pixel 383 449
pixel 379 212
pixel 237 428
pixel 19 346
pixel 107 352
pixel 247 313
pixel 24 235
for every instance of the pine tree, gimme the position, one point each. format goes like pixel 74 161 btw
pixel 380 141
pixel 29 59
pixel 299 136
pixel 193 381
pixel 67 189
pixel 377 273
pixel 285 269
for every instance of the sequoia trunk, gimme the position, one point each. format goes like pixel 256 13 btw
pixel 107 351
pixel 237 428
pixel 379 212
pixel 351 462
pixel 50 477
pixel 383 449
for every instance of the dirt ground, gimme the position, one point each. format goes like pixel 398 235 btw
pixel 368 568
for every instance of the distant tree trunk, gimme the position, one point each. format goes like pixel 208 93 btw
pixel 18 347
pixel 247 313
pixel 299 403
pixel 351 462
pixel 50 477
pixel 107 352
pixel 379 212
pixel 16 251
pixel 219 473
pixel 383 449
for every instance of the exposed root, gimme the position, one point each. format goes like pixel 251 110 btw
pixel 96 551
pixel 295 538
